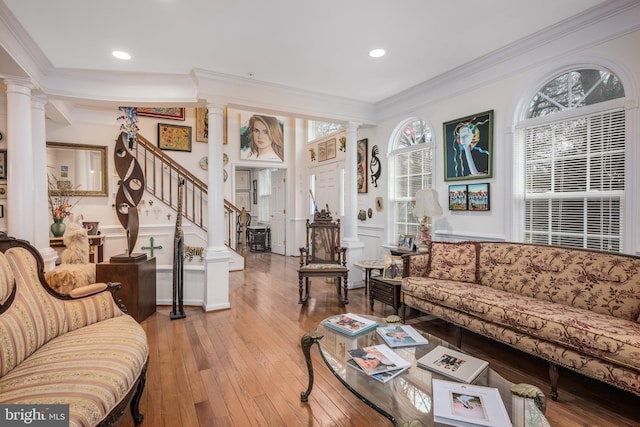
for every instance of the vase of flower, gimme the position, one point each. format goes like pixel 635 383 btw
pixel 58 227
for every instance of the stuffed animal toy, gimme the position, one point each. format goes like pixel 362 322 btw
pixel 76 241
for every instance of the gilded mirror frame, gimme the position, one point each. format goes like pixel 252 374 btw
pixel 102 180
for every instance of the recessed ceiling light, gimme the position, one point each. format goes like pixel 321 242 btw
pixel 377 53
pixel 120 54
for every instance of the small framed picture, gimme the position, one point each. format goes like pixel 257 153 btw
pixel 243 180
pixel 393 267
pixel 405 241
pixel 322 151
pixel 331 149
pixel 243 200
pixel 457 197
pixel 3 164
pixel 478 196
pixel 173 137
pixel 3 191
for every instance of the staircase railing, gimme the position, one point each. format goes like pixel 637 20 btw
pixel 162 175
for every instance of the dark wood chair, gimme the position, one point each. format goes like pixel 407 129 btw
pixel 323 257
pixel 240 228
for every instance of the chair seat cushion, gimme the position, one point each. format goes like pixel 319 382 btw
pixel 313 267
pixel 95 366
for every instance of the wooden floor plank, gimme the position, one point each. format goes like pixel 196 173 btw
pixel 244 366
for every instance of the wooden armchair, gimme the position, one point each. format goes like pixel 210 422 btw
pixel 323 257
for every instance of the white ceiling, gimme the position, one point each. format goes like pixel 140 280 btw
pixel 317 46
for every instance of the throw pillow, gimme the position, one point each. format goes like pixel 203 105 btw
pixel 454 261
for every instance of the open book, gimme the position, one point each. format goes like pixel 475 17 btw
pixel 383 377
pixel 379 358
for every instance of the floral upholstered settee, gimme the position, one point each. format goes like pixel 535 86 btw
pixel 575 308
pixel 79 349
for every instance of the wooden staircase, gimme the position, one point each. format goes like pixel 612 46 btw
pixel 162 175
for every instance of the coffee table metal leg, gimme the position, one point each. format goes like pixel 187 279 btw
pixel 307 341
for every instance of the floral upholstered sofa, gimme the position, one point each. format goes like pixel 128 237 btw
pixel 79 350
pixel 574 308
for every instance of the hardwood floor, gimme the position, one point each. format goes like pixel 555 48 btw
pixel 244 366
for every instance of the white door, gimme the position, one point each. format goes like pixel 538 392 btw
pixel 278 211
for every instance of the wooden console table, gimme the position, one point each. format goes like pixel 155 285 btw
pixel 96 246
pixel 138 280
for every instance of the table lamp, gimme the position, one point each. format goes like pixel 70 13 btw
pixel 427 207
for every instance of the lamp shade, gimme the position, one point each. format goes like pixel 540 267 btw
pixel 427 203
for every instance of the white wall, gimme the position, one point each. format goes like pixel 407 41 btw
pixel 504 96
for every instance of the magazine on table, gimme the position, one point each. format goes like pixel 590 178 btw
pixel 378 358
pixel 383 377
pixel 453 364
pixel 401 336
pixel 468 405
pixel 350 324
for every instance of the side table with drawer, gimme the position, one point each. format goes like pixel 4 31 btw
pixel 385 291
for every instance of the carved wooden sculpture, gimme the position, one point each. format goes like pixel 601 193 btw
pixel 130 190
pixel 178 262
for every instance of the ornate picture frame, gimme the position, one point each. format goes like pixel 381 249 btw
pixel 468 147
pixel 162 113
pixel 174 137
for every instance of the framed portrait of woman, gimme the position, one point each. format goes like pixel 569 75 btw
pixel 468 147
pixel 262 138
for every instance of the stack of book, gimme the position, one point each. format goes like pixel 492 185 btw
pixel 378 361
pixel 453 364
pixel 468 405
pixel 350 324
pixel 401 336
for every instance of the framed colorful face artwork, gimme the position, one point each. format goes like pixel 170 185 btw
pixel 468 147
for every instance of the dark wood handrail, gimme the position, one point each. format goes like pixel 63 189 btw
pixel 162 175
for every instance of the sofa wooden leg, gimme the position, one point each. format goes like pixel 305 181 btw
pixel 135 401
pixel 302 299
pixel 458 336
pixel 553 378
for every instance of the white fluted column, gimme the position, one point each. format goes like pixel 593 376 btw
pixel 216 292
pixel 41 218
pixel 20 181
pixel 355 247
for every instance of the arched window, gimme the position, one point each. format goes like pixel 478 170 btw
pixel 573 161
pixel 411 169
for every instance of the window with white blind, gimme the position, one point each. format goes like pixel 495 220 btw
pixel 411 164
pixel 574 164
pixel 264 195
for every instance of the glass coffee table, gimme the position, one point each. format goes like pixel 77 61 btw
pixel 406 400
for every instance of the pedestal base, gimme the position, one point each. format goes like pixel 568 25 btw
pixel 129 258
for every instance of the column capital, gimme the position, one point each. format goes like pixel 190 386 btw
pixel 353 126
pixel 215 108
pixel 14 84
